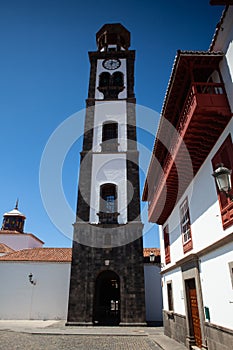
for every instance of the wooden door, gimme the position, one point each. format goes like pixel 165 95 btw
pixel 194 312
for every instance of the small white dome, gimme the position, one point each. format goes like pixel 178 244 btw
pixel 14 212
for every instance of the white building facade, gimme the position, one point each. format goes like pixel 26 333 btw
pixel 210 260
pixel 196 220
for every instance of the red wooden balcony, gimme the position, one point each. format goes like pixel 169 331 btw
pixel 202 119
pixel 205 98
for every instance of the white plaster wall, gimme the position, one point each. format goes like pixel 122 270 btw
pixel 229 57
pixel 153 293
pixel 20 241
pixel 175 277
pixel 225 34
pixel 205 215
pixel 216 284
pixel 109 168
pixel 48 299
pixel 110 111
pixel 226 68
pixel 224 43
pixel 100 69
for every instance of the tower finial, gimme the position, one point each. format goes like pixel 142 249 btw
pixel 17 204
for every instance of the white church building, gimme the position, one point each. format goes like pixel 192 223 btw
pixel 35 280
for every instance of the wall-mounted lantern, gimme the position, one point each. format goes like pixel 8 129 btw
pixel 152 257
pixel 31 280
pixel 222 177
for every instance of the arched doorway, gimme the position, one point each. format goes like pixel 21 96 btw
pixel 107 299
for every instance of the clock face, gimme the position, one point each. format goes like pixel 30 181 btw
pixel 111 64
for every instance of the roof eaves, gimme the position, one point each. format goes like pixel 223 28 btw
pixel 171 81
pixel 217 29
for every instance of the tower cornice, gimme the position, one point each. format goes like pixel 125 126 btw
pixel 94 55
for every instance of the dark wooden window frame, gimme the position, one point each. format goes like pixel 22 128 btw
pixel 185 225
pixel 166 239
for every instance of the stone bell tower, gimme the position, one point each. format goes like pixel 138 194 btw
pixel 107 277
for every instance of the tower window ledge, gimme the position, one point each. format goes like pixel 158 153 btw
pixel 108 218
pixel 110 152
pixel 107 225
pixel 111 99
pixel 108 146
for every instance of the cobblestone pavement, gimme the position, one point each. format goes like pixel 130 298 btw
pixel 22 341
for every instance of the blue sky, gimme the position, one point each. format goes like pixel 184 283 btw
pixel 44 72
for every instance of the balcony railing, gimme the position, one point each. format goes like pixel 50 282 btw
pixel 203 100
pixel 210 96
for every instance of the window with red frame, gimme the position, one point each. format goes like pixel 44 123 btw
pixel 185 226
pixel 166 245
pixel 225 156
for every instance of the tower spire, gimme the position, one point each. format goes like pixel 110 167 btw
pixel 17 204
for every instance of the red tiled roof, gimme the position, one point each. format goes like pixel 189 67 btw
pixel 148 251
pixel 5 249
pixel 40 254
pixel 54 254
pixel 9 232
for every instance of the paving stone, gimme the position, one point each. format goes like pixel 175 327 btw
pixel 22 341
